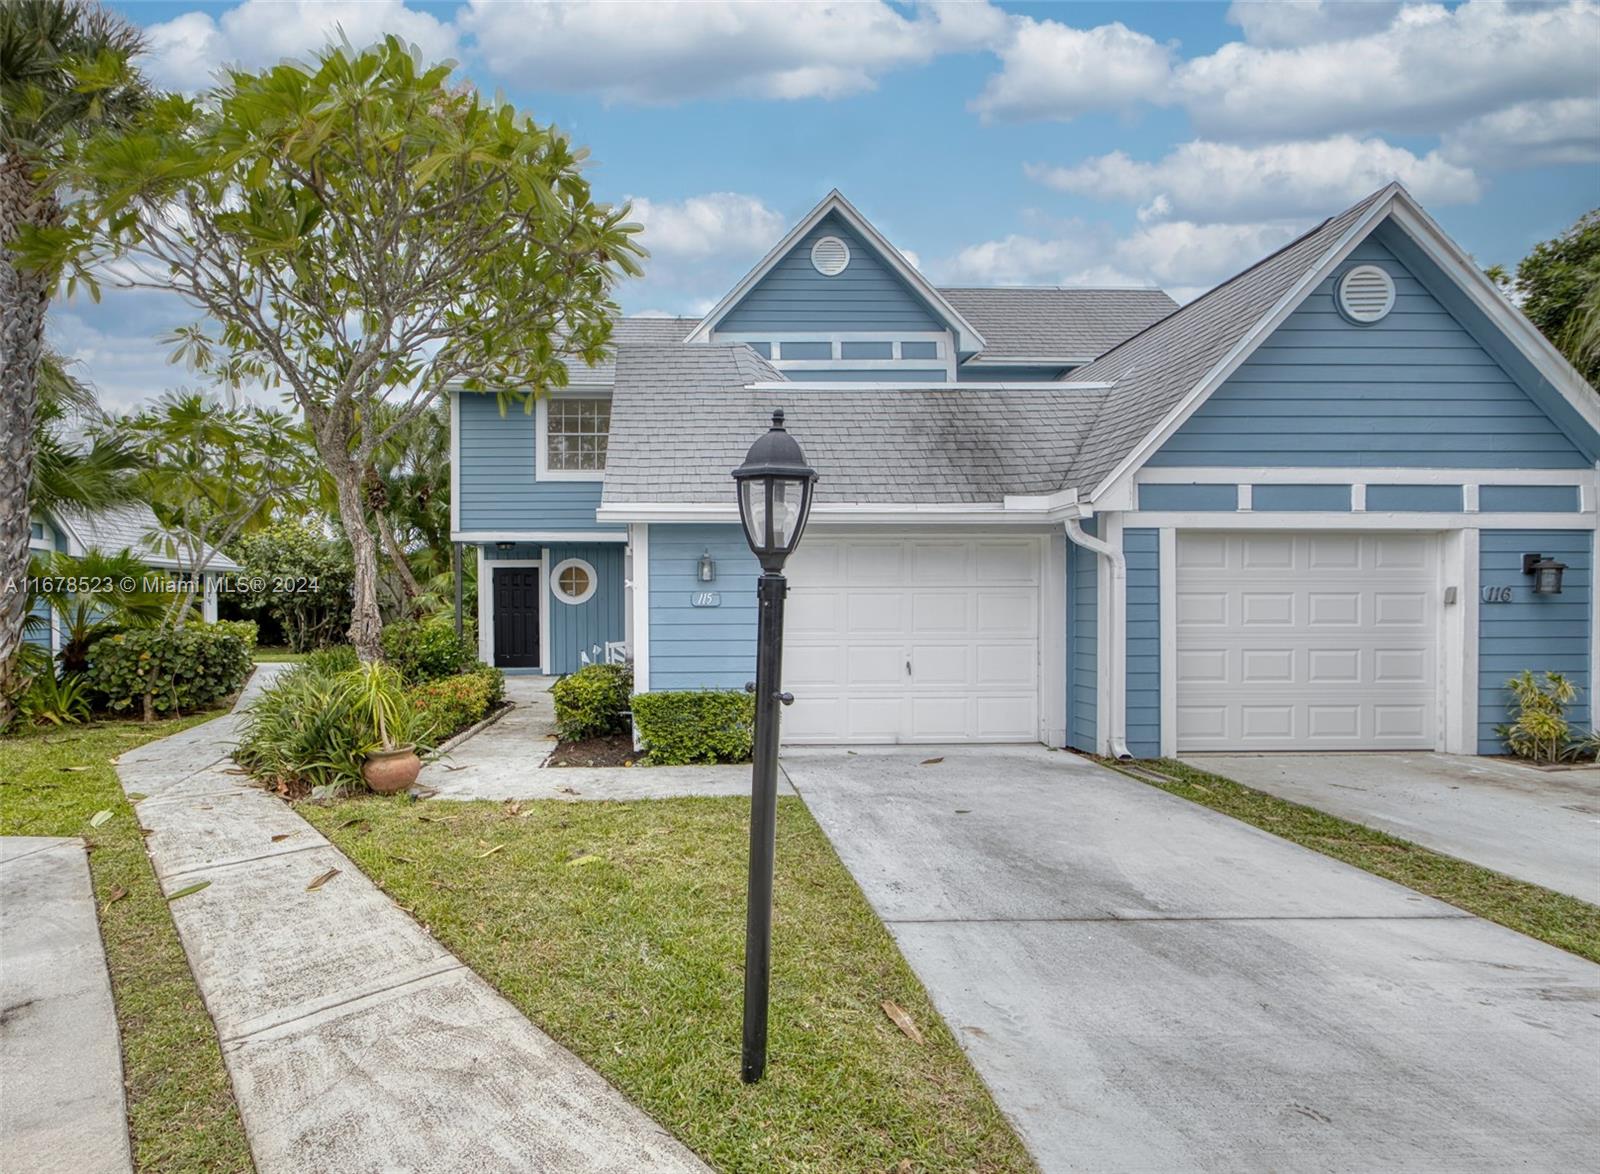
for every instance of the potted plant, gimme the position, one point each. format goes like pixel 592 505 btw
pixel 376 696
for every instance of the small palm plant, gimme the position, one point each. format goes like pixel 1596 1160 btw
pixel 375 694
pixel 1539 729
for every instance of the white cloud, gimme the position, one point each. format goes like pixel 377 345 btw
pixel 1528 134
pixel 186 52
pixel 718 224
pixel 1282 23
pixel 1226 183
pixel 671 52
pixel 1430 69
pixel 1051 70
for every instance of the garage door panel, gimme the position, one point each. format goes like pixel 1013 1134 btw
pixel 923 639
pixel 1293 641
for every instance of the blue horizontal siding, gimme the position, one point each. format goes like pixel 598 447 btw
pixel 1446 499
pixel 1555 499
pixel 701 647
pixel 868 295
pixel 866 374
pixel 1414 390
pixel 579 629
pixel 1142 549
pixel 1545 633
pixel 1083 644
pixel 1189 497
pixel 498 487
pixel 1299 498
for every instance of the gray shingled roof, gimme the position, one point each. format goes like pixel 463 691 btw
pixel 627 332
pixel 682 419
pixel 1155 369
pixel 128 527
pixel 1057 322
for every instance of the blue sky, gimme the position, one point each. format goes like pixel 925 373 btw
pixel 1115 144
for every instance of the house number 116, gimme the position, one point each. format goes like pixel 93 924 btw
pixel 1496 595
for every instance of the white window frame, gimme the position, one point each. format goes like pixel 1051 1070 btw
pixel 555 581
pixel 541 427
pixel 944 357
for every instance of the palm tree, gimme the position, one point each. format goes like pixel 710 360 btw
pixel 88 476
pixel 65 69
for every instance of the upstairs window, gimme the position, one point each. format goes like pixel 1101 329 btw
pixel 575 435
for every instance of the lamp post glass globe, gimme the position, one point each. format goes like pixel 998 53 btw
pixel 775 486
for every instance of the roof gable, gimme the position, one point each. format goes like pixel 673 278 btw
pixel 877 271
pixel 1163 374
pixel 1055 325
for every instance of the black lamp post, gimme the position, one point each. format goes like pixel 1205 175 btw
pixel 774 486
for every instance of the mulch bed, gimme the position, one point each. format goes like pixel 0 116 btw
pixel 610 750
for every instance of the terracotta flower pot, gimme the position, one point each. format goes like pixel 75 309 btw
pixel 390 771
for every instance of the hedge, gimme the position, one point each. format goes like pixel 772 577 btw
pixel 454 703
pixel 677 728
pixel 427 650
pixel 246 630
pixel 592 701
pixel 189 669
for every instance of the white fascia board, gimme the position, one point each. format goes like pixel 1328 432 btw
pixel 76 546
pixel 490 537
pixel 1524 335
pixel 905 385
pixel 1354 520
pixel 968 340
pixel 1029 361
pixel 1359 474
pixel 1026 511
pixel 1119 477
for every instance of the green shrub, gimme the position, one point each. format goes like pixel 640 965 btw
pixel 336 658
pixel 305 730
pixel 592 701
pixel 427 650
pixel 1539 729
pixel 684 727
pixel 167 672
pixel 57 701
pixel 246 630
pixel 453 703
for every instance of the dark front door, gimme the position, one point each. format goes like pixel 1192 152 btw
pixel 516 617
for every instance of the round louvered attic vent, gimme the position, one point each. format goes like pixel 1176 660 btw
pixel 1366 294
pixel 829 256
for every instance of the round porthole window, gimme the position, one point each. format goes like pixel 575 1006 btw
pixel 574 581
pixel 1366 294
pixel 829 256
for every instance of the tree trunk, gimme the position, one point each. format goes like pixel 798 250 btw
pixel 397 557
pixel 24 297
pixel 366 624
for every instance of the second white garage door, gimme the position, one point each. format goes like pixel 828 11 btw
pixel 912 640
pixel 1307 641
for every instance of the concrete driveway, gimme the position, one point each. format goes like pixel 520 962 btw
pixel 1147 985
pixel 1535 825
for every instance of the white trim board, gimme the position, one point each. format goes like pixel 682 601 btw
pixel 1352 520
pixel 1116 489
pixel 641 607
pixel 968 340
pixel 455 461
pixel 911 385
pixel 1347 474
pixel 980 514
pixel 492 536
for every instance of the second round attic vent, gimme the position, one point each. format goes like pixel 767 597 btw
pixel 829 256
pixel 1366 294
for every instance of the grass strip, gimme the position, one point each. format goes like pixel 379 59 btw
pixel 181 1113
pixel 619 929
pixel 1542 913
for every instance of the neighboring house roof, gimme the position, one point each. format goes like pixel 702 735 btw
pixel 682 417
pixel 130 527
pixel 969 339
pixel 1055 323
pixel 627 332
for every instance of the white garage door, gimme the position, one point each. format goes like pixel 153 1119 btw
pixel 912 640
pixel 1307 641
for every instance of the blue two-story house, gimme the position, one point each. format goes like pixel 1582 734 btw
pixel 1304 511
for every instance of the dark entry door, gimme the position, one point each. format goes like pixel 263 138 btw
pixel 516 617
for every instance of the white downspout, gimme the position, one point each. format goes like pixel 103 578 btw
pixel 1115 665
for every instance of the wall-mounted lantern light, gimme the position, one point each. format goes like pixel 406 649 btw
pixel 708 568
pixel 502 547
pixel 1546 573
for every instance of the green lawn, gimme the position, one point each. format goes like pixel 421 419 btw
pixel 181 1113
pixel 275 654
pixel 619 928
pixel 1541 913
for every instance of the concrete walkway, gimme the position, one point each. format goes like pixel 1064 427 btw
pixel 356 1042
pixel 61 1098
pixel 1147 985
pixel 1535 825
pixel 505 760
